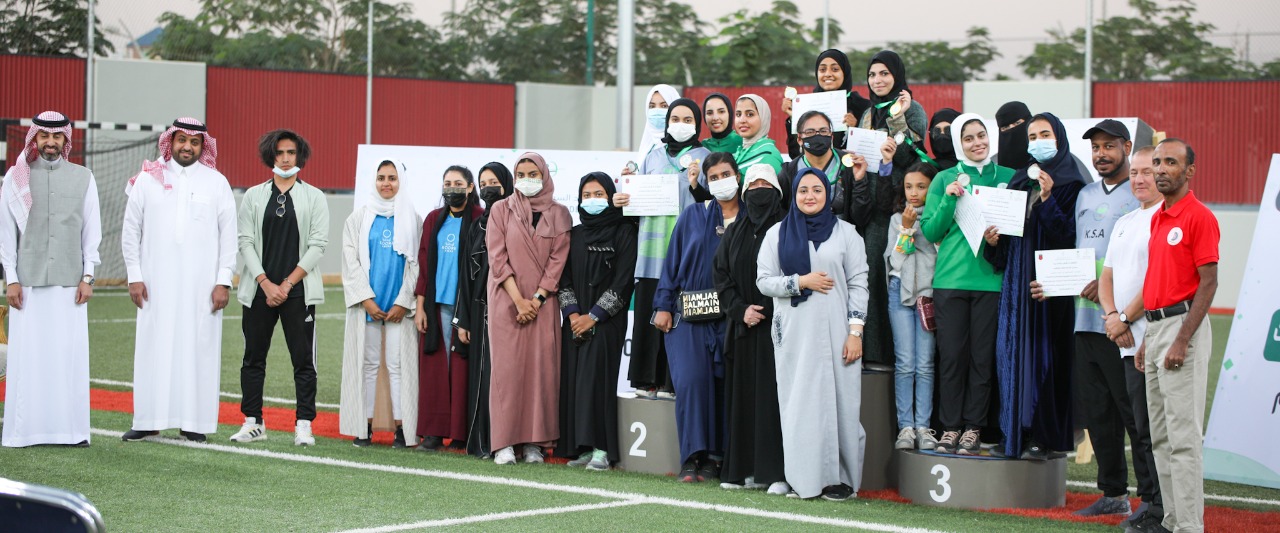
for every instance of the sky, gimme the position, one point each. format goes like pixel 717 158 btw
pixel 1016 25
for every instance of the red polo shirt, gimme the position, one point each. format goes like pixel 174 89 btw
pixel 1183 238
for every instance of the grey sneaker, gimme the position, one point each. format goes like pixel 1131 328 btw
pixel 532 453
pixel 581 461
pixel 599 461
pixel 969 444
pixel 906 439
pixel 1106 506
pixel 948 442
pixel 925 439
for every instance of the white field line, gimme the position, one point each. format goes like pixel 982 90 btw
pixel 1215 497
pixel 628 497
pixel 492 517
pixel 268 399
pixel 319 316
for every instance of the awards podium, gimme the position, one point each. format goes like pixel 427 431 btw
pixel 981 482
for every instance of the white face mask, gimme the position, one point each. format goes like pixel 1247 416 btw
pixel 529 186
pixel 681 132
pixel 286 173
pixel 723 189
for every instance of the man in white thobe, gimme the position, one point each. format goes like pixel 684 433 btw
pixel 179 244
pixel 49 235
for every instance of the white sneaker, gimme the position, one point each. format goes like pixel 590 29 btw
pixel 750 484
pixel 906 439
pixel 780 488
pixel 251 431
pixel 599 461
pixel 532 453
pixel 505 456
pixel 665 395
pixel 302 434
pixel 925 439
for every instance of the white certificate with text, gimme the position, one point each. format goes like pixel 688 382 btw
pixel 1003 208
pixel 866 143
pixel 833 104
pixel 1065 272
pixel 651 195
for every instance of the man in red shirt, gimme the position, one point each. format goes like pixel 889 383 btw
pixel 1182 277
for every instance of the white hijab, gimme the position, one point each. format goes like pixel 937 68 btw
pixel 653 136
pixel 405 221
pixel 766 118
pixel 957 130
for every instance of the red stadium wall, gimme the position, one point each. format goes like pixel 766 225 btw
pixel 30 85
pixel 932 96
pixel 1231 125
pixel 328 110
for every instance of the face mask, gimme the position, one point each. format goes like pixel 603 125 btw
pixel 455 196
pixel 490 195
pixel 681 132
pixel 941 143
pixel 529 186
pixel 1043 149
pixel 818 145
pixel 594 206
pixel 286 173
pixel 760 201
pixel 724 189
pixel 657 117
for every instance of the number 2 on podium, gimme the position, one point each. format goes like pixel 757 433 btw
pixel 944 475
pixel 636 450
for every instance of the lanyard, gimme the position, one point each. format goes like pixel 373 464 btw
pixel 675 163
pixel 923 156
pixel 832 177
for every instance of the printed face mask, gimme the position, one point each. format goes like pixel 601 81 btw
pixel 594 206
pixel 455 196
pixel 817 145
pixel 529 186
pixel 680 131
pixel 723 189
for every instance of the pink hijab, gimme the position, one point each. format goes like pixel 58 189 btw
pixel 544 202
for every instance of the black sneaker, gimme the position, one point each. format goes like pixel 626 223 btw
pixel 429 444
pixel 708 469
pixel 399 442
pixel 361 443
pixel 947 444
pixel 193 436
pixel 969 444
pixel 688 472
pixel 134 435
pixel 81 444
pixel 1035 452
pixel 1146 523
pixel 837 493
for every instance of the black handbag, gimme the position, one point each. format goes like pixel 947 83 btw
pixel 700 306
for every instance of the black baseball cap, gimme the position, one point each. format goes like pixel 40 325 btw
pixel 1111 127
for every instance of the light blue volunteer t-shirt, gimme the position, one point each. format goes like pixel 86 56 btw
pixel 386 267
pixel 447 246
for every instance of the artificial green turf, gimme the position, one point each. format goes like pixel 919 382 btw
pixel 149 486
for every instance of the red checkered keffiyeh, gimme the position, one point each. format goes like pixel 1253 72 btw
pixel 189 126
pixel 19 203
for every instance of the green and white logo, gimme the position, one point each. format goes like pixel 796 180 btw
pixel 1272 350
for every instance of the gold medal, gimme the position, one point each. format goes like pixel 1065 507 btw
pixel 847 160
pixel 895 109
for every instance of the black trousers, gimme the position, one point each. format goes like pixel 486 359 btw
pixel 298 320
pixel 1144 462
pixel 1108 409
pixel 966 368
pixel 648 367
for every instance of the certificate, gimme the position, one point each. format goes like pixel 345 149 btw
pixel 1065 272
pixel 866 143
pixel 1003 208
pixel 972 224
pixel 651 195
pixel 833 104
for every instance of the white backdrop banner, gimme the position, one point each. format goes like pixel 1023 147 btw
pixel 1244 424
pixel 425 173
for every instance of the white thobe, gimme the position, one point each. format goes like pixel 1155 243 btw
pixel 46 397
pixel 180 243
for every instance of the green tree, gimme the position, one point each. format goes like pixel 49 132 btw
pixel 1162 41
pixel 937 61
pixel 403 46
pixel 49 27
pixel 763 49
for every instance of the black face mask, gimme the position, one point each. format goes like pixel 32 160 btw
pixel 818 145
pixel 941 144
pixel 490 195
pixel 761 202
pixel 455 197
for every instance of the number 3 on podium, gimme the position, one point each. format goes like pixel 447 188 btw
pixel 944 475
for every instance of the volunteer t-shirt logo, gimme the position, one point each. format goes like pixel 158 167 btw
pixel 1175 236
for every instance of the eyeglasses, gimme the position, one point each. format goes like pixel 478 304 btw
pixel 280 209
pixel 812 132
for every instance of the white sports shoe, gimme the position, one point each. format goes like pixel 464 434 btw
pixel 779 488
pixel 532 454
pixel 505 456
pixel 251 431
pixel 302 434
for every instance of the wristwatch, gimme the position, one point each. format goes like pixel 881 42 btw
pixel 87 279
pixel 856 333
pixel 593 316
pixel 541 299
pixel 1125 318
